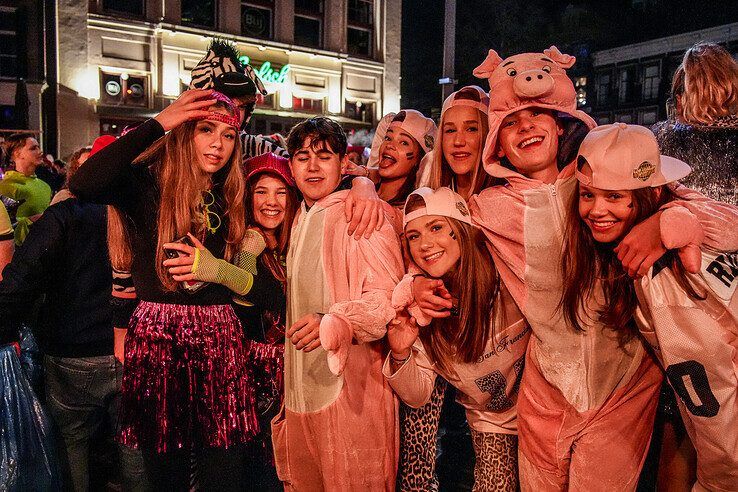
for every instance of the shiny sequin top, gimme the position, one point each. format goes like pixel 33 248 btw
pixel 711 150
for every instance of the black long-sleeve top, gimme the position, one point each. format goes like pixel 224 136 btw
pixel 268 313
pixel 109 177
pixel 65 259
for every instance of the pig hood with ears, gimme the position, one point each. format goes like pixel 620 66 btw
pixel 531 80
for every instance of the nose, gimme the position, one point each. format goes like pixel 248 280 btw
pixel 459 139
pixel 312 164
pixel 217 141
pixel 425 243
pixel 271 199
pixel 533 83
pixel 599 207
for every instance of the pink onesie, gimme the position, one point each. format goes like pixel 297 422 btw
pixel 338 430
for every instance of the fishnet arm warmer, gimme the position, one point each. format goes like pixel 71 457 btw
pixel 238 277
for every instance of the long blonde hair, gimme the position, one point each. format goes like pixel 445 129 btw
pixel 441 172
pixel 705 86
pixel 180 183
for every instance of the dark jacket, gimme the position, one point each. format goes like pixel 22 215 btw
pixel 65 260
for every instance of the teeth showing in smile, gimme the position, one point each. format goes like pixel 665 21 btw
pixel 313 180
pixel 434 256
pixel 271 213
pixel 529 141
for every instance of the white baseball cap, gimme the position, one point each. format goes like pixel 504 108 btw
pixel 443 202
pixel 626 157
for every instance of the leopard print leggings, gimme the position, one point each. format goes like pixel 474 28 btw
pixel 496 467
pixel 418 432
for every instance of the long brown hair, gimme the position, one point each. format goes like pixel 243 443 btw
pixel 274 261
pixel 441 172
pixel 705 86
pixel 476 284
pixel 180 180
pixel 585 263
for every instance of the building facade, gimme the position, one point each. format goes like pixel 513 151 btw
pixel 632 83
pixel 121 61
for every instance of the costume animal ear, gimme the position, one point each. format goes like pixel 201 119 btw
pixel 488 66
pixel 564 61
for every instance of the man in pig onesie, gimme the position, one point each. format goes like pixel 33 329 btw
pixel 338 428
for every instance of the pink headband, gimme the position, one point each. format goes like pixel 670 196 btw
pixel 233 119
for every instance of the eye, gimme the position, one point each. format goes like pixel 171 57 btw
pixel 585 195
pixel 472 129
pixel 508 123
pixel 411 237
pixel 512 72
pixel 546 69
pixel 450 130
pixel 230 136
pixel 386 138
pixel 436 227
pixel 614 196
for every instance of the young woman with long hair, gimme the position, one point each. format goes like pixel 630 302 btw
pixel 185 382
pixel 462 131
pixel 479 349
pixel 271 204
pixel 409 137
pixel 685 307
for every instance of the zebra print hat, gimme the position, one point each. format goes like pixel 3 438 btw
pixel 222 70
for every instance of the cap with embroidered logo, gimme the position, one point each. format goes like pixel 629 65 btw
pixel 443 201
pixel 626 157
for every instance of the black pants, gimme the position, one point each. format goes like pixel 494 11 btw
pixel 218 469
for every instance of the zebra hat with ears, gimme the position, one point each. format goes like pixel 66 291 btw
pixel 222 70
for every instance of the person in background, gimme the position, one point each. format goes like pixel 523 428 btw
pixel 77 158
pixel 7 245
pixel 64 261
pixel 24 154
pixel 704 128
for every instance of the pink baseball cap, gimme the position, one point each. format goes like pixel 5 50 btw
pixel 269 163
pixel 626 157
pixel 443 201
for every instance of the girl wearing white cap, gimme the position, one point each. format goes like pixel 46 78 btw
pixel 461 134
pixel 690 320
pixel 480 349
pixel 409 137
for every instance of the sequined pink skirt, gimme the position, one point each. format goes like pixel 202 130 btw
pixel 185 379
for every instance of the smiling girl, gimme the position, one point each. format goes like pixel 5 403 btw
pixel 690 320
pixel 461 135
pixel 480 350
pixel 185 383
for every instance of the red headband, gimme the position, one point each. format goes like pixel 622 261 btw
pixel 233 118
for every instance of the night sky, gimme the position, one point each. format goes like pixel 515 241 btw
pixel 515 26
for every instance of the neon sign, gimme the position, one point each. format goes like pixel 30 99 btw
pixel 267 73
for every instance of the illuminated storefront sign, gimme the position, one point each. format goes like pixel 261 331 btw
pixel 267 73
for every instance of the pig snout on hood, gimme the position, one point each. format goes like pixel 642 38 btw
pixel 533 83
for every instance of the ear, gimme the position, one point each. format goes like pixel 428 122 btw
pixel 657 192
pixel 488 66
pixel 564 61
pixel 292 169
pixel 500 152
pixel 344 163
pixel 559 127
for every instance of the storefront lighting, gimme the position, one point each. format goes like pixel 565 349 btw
pixel 170 85
pixel 266 73
pixel 285 96
pixel 334 97
pixel 87 83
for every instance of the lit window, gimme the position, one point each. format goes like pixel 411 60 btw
pixel 123 89
pixel 256 19
pixel 307 105
pixel 580 83
pixel 623 92
pixel 360 111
